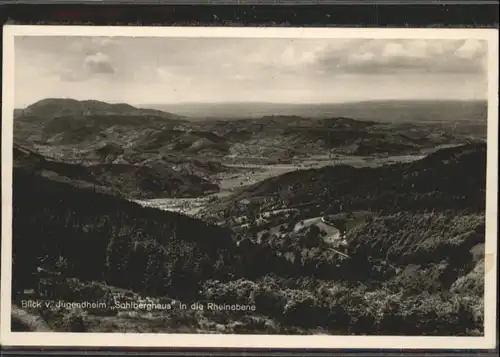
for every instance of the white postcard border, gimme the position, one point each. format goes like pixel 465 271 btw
pixel 9 338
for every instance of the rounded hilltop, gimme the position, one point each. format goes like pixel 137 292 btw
pixel 57 107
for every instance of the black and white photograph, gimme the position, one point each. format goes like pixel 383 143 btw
pixel 249 187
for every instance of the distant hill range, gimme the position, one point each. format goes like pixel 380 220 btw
pixel 53 116
pixel 284 137
pixel 383 111
pixel 93 132
pixel 62 107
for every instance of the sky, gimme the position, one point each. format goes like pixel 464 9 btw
pixel 157 70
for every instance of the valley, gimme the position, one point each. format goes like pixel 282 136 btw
pixel 248 174
pixel 306 218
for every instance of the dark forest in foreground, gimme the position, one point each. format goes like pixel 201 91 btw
pixel 415 267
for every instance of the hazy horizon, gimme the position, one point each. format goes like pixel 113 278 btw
pixel 170 71
pixel 388 100
pixel 151 105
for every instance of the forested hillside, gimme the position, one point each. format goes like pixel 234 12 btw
pixel 424 280
pixel 126 180
pixel 101 237
pixel 437 182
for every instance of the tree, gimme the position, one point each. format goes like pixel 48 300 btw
pixel 312 236
pixel 265 237
pixel 341 225
pixel 61 265
pixel 117 258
